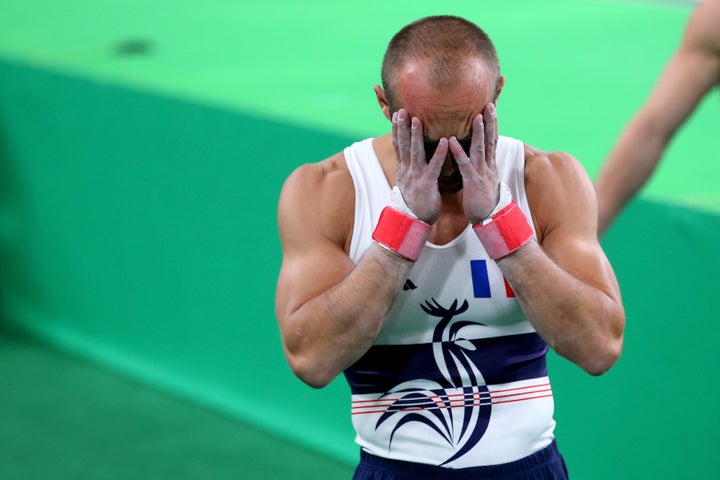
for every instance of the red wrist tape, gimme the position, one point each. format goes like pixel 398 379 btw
pixel 506 231
pixel 401 233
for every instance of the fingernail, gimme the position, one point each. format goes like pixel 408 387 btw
pixel 394 117
pixel 491 109
pixel 401 115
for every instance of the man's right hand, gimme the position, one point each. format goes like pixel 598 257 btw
pixel 417 178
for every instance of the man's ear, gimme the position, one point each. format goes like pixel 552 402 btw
pixel 501 84
pixel 382 101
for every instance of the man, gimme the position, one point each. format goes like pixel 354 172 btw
pixel 437 299
pixel 691 73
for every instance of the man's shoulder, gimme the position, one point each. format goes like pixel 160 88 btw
pixel 318 172
pixel 549 166
pixel 323 187
pixel 534 154
pixel 334 164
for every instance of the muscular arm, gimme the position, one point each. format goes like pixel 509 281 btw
pixel 330 311
pixel 689 75
pixel 565 283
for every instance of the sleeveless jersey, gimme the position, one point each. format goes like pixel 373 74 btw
pixel 458 376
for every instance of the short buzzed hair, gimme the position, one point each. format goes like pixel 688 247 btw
pixel 446 40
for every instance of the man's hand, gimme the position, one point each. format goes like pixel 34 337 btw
pixel 416 178
pixel 480 176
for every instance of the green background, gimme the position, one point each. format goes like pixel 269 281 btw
pixel 143 146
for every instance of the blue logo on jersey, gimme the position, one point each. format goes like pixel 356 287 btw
pixel 460 418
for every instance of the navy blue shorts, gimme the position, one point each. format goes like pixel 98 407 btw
pixel 547 464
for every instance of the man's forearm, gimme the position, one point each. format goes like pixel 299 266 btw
pixel 579 321
pixel 333 330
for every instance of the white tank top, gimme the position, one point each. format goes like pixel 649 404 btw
pixel 457 377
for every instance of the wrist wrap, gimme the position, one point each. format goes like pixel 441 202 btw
pixel 400 233
pixel 504 232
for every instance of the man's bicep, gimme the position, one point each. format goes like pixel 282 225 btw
pixel 309 271
pixel 573 244
pixel 566 206
pixel 312 240
pixel 583 258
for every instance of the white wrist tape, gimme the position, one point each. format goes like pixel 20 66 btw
pixel 505 199
pixel 398 202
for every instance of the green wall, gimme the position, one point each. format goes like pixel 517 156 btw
pixel 141 231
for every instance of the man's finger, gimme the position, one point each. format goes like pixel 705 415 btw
pixel 403 134
pixel 461 158
pixel 395 136
pixel 490 121
pixel 435 164
pixel 477 142
pixel 417 144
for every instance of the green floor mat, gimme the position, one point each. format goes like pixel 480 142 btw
pixel 62 418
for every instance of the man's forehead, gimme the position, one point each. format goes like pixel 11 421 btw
pixel 441 70
pixel 418 82
pixel 446 115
